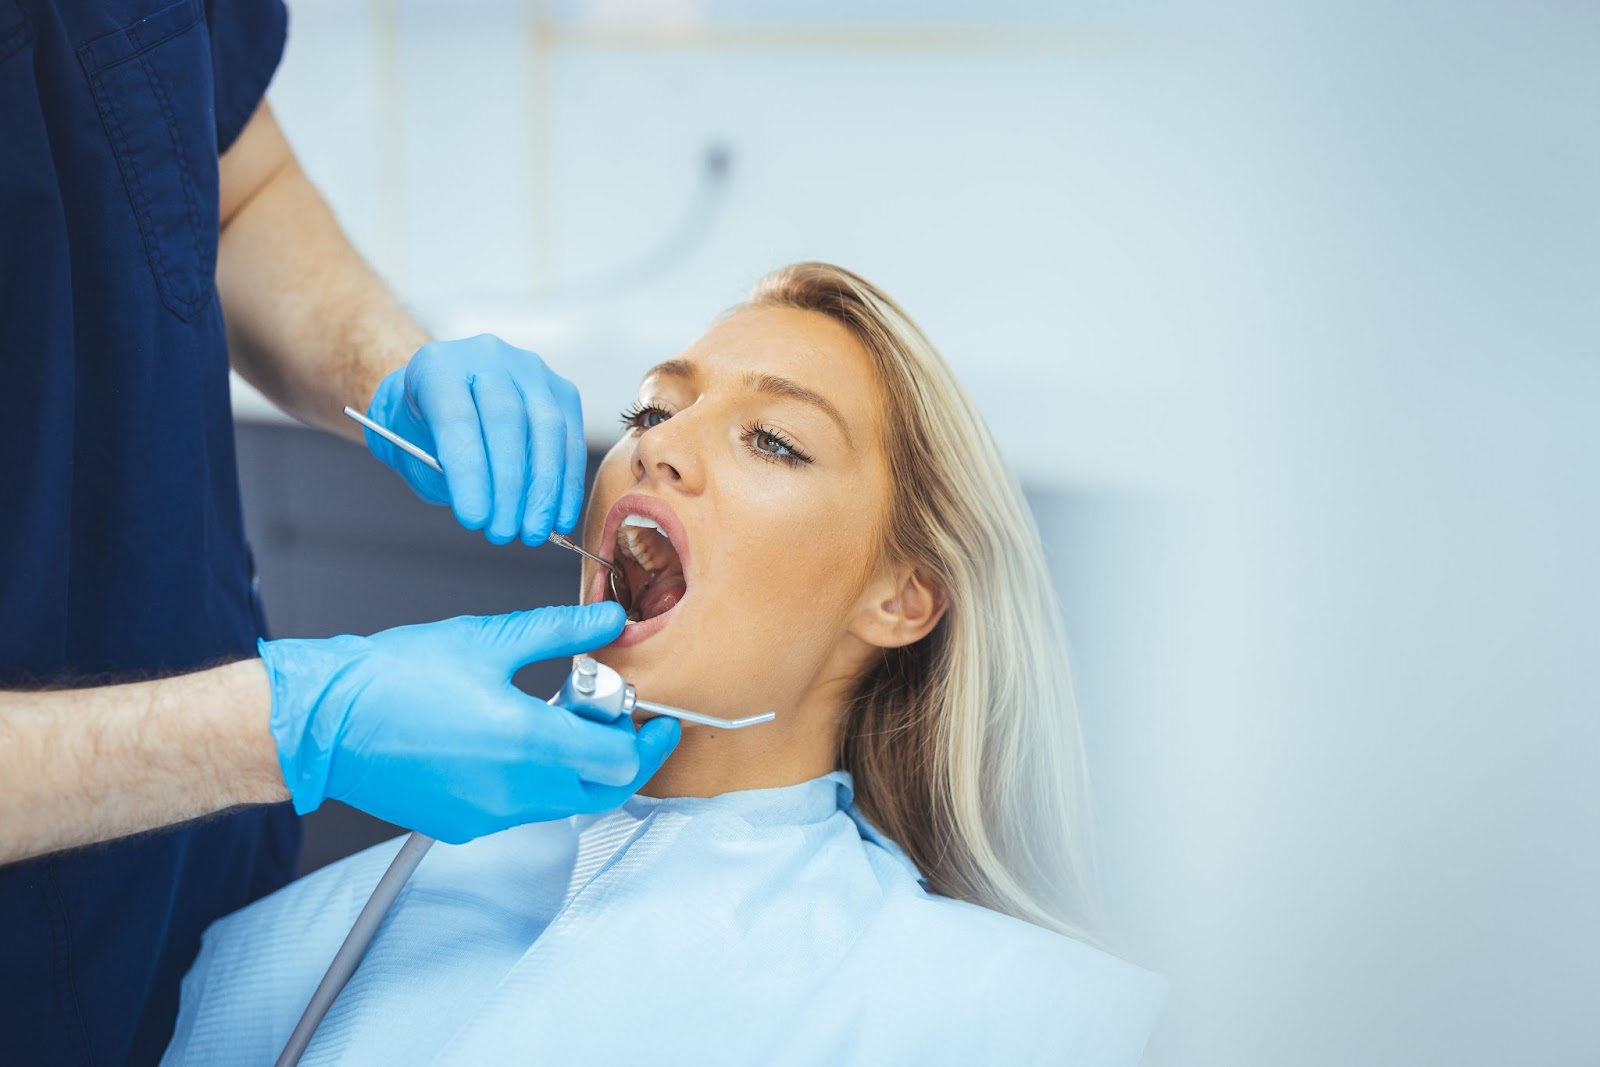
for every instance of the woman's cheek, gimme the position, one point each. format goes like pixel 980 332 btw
pixel 607 487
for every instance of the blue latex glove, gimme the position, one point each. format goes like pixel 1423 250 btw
pixel 507 430
pixel 420 725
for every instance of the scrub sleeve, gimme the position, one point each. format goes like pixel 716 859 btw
pixel 122 548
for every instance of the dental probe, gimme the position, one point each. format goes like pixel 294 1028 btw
pixel 425 458
pixel 591 690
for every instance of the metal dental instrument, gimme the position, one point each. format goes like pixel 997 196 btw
pixel 619 582
pixel 591 690
pixel 597 692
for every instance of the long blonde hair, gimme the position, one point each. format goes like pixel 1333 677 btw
pixel 964 746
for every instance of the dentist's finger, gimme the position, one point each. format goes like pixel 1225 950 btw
pixel 599 753
pixel 654 741
pixel 426 482
pixel 503 417
pixel 577 459
pixel 533 636
pixel 446 406
pixel 549 430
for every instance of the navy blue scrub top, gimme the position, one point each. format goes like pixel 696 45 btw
pixel 122 548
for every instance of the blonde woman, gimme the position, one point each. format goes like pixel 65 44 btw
pixel 813 519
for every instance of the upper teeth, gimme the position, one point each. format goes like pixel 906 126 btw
pixel 640 520
pixel 630 535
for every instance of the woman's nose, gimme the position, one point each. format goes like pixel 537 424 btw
pixel 668 453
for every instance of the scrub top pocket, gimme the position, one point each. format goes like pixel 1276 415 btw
pixel 152 84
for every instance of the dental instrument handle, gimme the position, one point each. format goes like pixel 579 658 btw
pixel 425 458
pixel 395 439
pixel 567 542
pixel 355 945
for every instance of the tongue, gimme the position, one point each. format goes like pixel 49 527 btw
pixel 661 596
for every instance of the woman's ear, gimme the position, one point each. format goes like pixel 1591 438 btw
pixel 899 609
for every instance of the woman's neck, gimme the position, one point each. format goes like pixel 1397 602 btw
pixel 799 745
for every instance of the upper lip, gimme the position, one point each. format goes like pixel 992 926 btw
pixel 653 508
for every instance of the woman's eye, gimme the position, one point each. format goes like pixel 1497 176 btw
pixel 644 416
pixel 769 444
pixel 766 442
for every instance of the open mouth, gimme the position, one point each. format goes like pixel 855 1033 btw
pixel 646 541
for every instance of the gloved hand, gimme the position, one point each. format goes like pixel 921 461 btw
pixel 507 430
pixel 420 725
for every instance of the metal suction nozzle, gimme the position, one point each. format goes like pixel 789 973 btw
pixel 704 720
pixel 597 692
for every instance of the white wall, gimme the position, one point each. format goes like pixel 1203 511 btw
pixel 1008 181
pixel 1287 315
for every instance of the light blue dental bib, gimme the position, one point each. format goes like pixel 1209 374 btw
pixel 772 926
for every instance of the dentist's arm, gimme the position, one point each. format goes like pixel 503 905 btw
pixel 419 725
pixel 80 766
pixel 309 323
pixel 314 328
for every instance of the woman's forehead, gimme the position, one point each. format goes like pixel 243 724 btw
pixel 804 346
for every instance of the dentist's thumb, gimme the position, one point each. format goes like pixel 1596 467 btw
pixel 654 742
pixel 525 637
pixel 656 739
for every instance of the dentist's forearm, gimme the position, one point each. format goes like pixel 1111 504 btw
pixel 88 765
pixel 309 322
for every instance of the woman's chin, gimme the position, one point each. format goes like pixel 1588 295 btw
pixel 648 657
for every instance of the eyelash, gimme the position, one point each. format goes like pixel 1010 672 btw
pixel 633 418
pixel 795 456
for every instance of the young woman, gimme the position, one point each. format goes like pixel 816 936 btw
pixel 814 520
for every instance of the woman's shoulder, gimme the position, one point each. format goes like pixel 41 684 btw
pixel 1058 996
pixel 961 932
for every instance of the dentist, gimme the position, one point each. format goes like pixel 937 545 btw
pixel 147 735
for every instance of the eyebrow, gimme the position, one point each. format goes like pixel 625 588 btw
pixel 673 368
pixel 770 384
pixel 789 389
